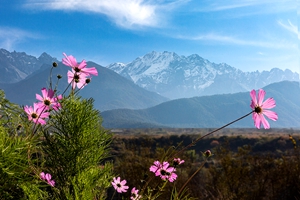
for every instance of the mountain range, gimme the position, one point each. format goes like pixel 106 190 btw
pixel 174 76
pixel 108 89
pixel 123 103
pixel 16 66
pixel 210 111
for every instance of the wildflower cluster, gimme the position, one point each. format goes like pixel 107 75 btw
pixel 79 75
pixel 41 110
pixel 164 171
pixel 50 101
pixel 47 177
pixel 121 187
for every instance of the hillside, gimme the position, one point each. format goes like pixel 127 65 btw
pixel 210 111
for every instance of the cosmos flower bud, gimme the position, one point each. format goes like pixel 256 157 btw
pixel 59 76
pixel 87 81
pixel 207 153
pixel 54 64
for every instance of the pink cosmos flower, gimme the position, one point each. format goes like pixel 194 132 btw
pixel 77 79
pixel 48 100
pixel 261 107
pixel 36 114
pixel 79 68
pixel 155 168
pixel 177 161
pixel 134 194
pixel 119 185
pixel 167 173
pixel 164 171
pixel 47 177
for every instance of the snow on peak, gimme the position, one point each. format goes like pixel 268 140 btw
pixel 178 76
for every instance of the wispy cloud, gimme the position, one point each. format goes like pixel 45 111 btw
pixel 289 26
pixel 269 5
pixel 230 40
pixel 10 37
pixel 125 13
pixel 228 6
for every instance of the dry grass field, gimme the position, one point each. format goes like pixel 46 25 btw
pixel 246 163
pixel 248 133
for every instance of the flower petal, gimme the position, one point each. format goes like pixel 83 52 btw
pixel 270 114
pixel 123 182
pixel 39 97
pixel 268 103
pixel 42 175
pixel 264 121
pixel 52 183
pixel 253 95
pixel 82 65
pixel 69 61
pixel 257 120
pixel 117 180
pixel 44 92
pixel 50 93
pixel 81 83
pixel 48 177
pixel 89 71
pixel 261 96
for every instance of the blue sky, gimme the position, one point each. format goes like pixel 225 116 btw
pixel 246 34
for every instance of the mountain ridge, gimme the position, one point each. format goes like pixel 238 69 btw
pixel 210 111
pixel 108 89
pixel 16 66
pixel 175 76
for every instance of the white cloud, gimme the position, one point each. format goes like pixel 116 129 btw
pixel 290 27
pixel 9 37
pixel 229 40
pixel 125 13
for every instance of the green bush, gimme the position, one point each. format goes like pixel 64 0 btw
pixel 75 148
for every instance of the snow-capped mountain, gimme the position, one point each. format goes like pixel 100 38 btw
pixel 175 76
pixel 15 66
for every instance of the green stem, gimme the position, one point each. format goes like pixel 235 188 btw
pixel 50 78
pixel 181 189
pixel 201 137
